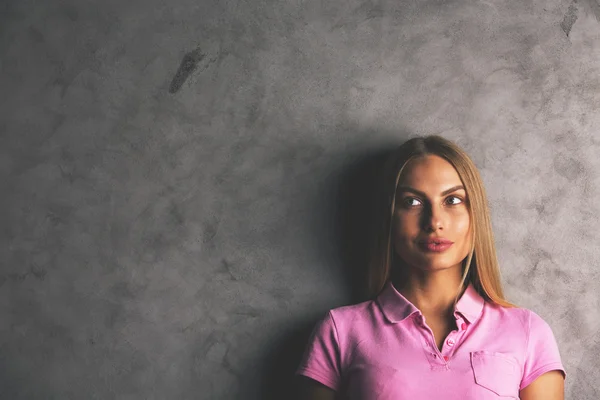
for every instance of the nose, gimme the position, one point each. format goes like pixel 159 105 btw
pixel 433 218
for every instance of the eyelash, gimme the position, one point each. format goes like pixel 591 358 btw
pixel 407 199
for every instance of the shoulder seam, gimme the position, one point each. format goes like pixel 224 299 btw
pixel 337 339
pixel 337 336
pixel 528 341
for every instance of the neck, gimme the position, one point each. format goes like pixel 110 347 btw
pixel 432 292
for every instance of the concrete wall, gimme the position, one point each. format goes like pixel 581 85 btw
pixel 183 183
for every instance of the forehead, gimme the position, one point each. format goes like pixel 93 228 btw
pixel 429 171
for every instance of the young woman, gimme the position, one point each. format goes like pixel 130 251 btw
pixel 438 326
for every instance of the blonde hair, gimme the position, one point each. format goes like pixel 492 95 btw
pixel 481 266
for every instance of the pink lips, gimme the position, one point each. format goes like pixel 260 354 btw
pixel 436 245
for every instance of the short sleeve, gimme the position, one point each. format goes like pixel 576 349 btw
pixel 321 359
pixel 542 351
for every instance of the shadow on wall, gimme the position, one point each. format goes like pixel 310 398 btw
pixel 358 196
pixel 359 208
pixel 278 380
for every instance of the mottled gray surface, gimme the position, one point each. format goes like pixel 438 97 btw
pixel 182 183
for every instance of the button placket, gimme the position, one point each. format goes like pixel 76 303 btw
pixel 450 342
pixel 428 340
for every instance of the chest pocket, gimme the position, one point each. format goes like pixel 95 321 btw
pixel 498 372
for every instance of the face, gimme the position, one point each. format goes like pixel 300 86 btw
pixel 431 202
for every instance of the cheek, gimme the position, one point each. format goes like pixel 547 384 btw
pixel 463 225
pixel 463 229
pixel 403 230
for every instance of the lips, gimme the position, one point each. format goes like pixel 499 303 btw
pixel 437 241
pixel 436 245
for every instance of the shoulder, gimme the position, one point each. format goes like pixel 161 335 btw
pixel 341 320
pixel 526 323
pixel 511 324
pixel 355 317
pixel 538 328
pixel 529 319
pixel 353 311
pixel 541 352
pixel 517 317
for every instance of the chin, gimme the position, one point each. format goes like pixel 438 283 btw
pixel 429 264
pixel 434 267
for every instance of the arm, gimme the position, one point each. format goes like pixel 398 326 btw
pixel 309 389
pixel 544 375
pixel 319 372
pixel 548 386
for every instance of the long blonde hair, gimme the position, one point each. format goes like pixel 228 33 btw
pixel 481 265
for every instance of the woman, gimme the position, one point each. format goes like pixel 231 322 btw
pixel 438 326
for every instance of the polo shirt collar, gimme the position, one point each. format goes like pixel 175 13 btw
pixel 396 307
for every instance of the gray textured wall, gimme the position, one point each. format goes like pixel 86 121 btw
pixel 183 182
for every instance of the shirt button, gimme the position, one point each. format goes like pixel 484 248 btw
pixel 463 326
pixel 445 358
pixel 450 342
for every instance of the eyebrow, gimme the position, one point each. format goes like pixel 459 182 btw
pixel 445 192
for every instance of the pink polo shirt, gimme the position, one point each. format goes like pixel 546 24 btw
pixel 383 349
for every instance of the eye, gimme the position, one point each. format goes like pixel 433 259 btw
pixel 406 202
pixel 457 198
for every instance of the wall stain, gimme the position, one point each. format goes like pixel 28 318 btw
pixel 210 229
pixel 247 311
pixel 569 18
pixel 568 167
pixel 595 6
pixel 207 343
pixel 537 257
pixel 70 12
pixel 189 63
pixel 35 34
pixel 226 268
pixel 34 272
